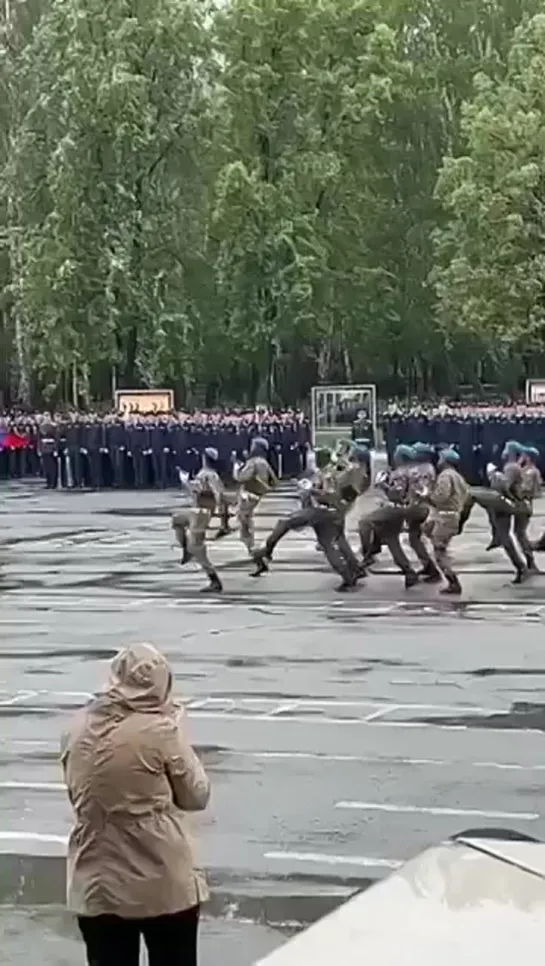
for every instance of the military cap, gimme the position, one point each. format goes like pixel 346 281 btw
pixel 211 453
pixel 423 449
pixel 533 452
pixel 449 455
pixel 404 452
pixel 512 448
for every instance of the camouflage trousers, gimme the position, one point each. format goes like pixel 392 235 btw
pixel 441 527
pixel 247 504
pixel 383 526
pixel 415 518
pixel 190 528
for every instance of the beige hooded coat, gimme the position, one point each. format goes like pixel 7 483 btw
pixel 131 774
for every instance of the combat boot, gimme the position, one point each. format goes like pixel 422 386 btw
pixel 453 588
pixel 223 531
pixel 346 585
pixel 214 587
pixel 261 560
pixel 539 545
pixel 186 556
pixel 411 579
pixel 430 573
pixel 521 575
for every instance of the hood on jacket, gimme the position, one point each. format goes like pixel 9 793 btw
pixel 140 678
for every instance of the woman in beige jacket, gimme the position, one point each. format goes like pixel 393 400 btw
pixel 131 774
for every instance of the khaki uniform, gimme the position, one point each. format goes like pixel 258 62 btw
pixel 255 478
pixel 384 524
pixel 422 477
pixel 131 774
pixel 190 525
pixel 448 500
pixel 507 483
pixel 529 489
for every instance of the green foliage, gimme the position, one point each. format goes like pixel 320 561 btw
pixel 244 199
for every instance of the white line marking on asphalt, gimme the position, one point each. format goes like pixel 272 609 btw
pixel 32 786
pixel 302 703
pixel 390 762
pixel 21 743
pixel 33 837
pixel 285 708
pixel 436 810
pixel 18 698
pixel 386 709
pixel 362 861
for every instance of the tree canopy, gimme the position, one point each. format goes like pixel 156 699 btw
pixel 242 200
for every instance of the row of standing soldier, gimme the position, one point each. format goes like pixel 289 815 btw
pixel 142 453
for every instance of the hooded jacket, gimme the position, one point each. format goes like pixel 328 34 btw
pixel 131 774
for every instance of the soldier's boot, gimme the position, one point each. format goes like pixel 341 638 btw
pixel 495 541
pixel 431 573
pixel 539 545
pixel 223 531
pixel 453 588
pixel 261 559
pixel 521 575
pixel 214 586
pixel 533 568
pixel 411 579
pixel 346 585
pixel 186 556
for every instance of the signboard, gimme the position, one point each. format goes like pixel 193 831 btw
pixel 338 410
pixel 129 401
pixel 535 391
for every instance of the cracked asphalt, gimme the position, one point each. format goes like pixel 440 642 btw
pixel 341 734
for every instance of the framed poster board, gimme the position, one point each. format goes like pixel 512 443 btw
pixel 129 401
pixel 535 391
pixel 336 409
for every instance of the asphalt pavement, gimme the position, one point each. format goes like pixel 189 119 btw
pixel 342 733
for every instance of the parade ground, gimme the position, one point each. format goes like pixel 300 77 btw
pixel 341 733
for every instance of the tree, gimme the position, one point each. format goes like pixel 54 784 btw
pixel 297 196
pixel 106 176
pixel 491 265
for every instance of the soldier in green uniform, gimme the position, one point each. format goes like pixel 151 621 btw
pixel 331 493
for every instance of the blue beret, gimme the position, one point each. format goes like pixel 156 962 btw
pixel 512 448
pixel 449 455
pixel 211 453
pixel 405 452
pixel 533 452
pixel 423 449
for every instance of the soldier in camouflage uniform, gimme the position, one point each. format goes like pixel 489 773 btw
pixel 385 523
pixel 448 499
pixel 331 493
pixel 530 490
pixel 190 525
pixel 507 487
pixel 422 476
pixel 255 478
